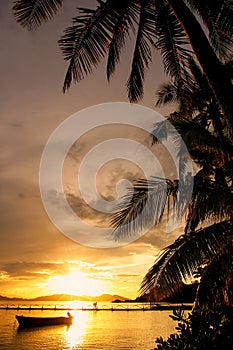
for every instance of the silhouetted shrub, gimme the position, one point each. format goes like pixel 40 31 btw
pixel 200 330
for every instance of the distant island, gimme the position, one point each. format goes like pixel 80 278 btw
pixel 68 297
pixel 186 294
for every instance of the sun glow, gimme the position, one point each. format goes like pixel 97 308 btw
pixel 77 330
pixel 75 283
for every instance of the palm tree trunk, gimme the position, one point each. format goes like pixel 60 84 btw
pixel 216 74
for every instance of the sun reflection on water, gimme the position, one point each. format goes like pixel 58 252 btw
pixel 77 330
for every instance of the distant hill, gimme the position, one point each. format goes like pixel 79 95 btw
pixel 68 297
pixel 2 298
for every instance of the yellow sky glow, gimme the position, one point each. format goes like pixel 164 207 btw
pixel 75 283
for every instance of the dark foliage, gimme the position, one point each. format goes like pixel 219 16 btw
pixel 201 330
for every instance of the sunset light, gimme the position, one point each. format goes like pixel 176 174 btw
pixel 116 174
pixel 75 283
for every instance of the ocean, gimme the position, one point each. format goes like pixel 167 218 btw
pixel 91 330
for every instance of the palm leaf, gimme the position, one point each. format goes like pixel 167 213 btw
pixel 163 130
pixel 217 16
pixel 86 42
pixel 215 288
pixel 179 261
pixel 201 143
pixel 210 201
pixel 172 42
pixel 93 34
pixel 184 94
pixel 166 94
pixel 222 44
pixel 143 206
pixel 126 21
pixel 192 96
pixel 142 52
pixel 32 13
pixel 219 12
pixel 199 85
pixel 197 101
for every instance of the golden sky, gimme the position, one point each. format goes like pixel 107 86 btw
pixel 35 257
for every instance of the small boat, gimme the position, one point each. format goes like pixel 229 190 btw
pixel 29 321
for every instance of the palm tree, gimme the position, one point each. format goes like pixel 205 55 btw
pixel 171 26
pixel 211 202
pixel 201 125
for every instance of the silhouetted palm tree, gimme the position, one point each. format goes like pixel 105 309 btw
pixel 171 26
pixel 201 125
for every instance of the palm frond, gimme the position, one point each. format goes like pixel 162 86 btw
pixel 215 288
pixel 210 201
pixel 179 261
pixel 84 43
pixel 88 39
pixel 166 94
pixel 199 82
pixel 166 131
pixel 222 44
pixel 190 95
pixel 162 130
pixel 201 143
pixel 126 21
pixel 32 13
pixel 143 206
pixel 142 52
pixel 216 11
pixel 172 42
pixel 204 147
pixel 217 16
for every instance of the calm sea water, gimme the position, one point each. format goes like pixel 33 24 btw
pixel 91 330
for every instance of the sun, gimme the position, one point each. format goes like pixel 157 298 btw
pixel 75 283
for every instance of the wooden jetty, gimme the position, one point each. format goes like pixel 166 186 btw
pixel 114 307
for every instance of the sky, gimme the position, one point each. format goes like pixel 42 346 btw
pixel 36 258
